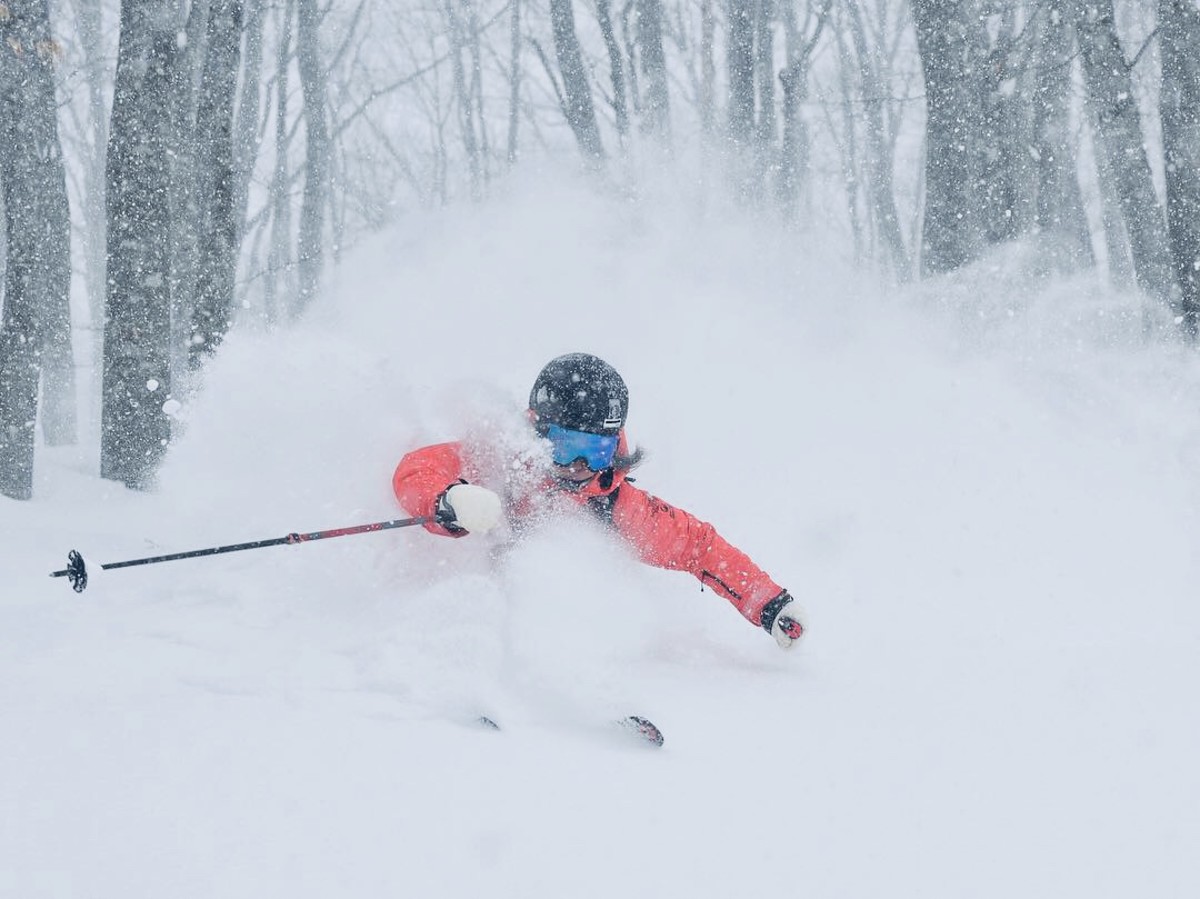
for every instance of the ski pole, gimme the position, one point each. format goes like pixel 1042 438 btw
pixel 76 570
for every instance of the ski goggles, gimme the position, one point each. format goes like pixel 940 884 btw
pixel 597 450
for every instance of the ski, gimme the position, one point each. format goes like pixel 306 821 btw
pixel 643 729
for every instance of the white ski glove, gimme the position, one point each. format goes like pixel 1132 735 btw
pixel 469 507
pixel 781 619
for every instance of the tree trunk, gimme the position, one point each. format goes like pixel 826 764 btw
pixel 1179 37
pixel 951 235
pixel 514 80
pixel 998 145
pixel 740 55
pixel 1059 215
pixel 318 153
pixel 35 332
pixel 656 111
pixel 246 133
pixel 137 374
pixel 279 262
pixel 1111 90
pixel 616 66
pixel 879 155
pixel 708 68
pixel 89 23
pixel 218 227
pixel 580 113
pixel 462 95
pixel 187 66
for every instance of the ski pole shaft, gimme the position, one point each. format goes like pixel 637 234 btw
pixel 76 571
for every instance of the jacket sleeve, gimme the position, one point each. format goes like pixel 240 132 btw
pixel 668 537
pixel 422 476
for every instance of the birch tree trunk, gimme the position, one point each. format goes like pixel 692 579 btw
pixel 1179 38
pixel 137 373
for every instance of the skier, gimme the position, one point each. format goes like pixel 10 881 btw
pixel 579 404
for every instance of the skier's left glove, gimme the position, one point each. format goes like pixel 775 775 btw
pixel 781 619
pixel 468 507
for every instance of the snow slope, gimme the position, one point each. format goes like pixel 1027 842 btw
pixel 985 491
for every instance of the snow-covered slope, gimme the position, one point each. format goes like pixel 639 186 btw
pixel 984 490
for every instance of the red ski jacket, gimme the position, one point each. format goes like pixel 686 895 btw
pixel 661 534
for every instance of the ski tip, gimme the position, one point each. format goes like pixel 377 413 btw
pixel 644 729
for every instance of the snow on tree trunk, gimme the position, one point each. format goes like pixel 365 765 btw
pixel 279 284
pixel 1179 38
pixel 656 112
pixel 247 133
pixel 616 65
pixel 1059 216
pixel 514 80
pixel 1110 88
pixel 318 152
pixel 740 57
pixel 462 93
pixel 951 235
pixel 215 185
pixel 135 429
pixel 580 113
pixel 35 332
pixel 880 186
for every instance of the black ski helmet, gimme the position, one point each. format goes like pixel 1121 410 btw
pixel 580 392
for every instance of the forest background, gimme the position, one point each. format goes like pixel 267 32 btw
pixel 174 169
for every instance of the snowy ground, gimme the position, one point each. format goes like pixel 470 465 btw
pixel 985 492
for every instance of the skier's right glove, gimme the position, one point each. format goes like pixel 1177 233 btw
pixel 781 619
pixel 468 508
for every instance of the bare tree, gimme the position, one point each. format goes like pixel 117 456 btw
pixel 656 111
pixel 1179 37
pixel 457 32
pixel 247 131
pixel 1110 89
pixel 514 80
pixel 880 177
pixel 616 66
pixel 951 235
pixel 801 39
pixel 1059 215
pixel 577 99
pixel 739 55
pixel 35 337
pixel 135 429
pixel 217 229
pixel 318 152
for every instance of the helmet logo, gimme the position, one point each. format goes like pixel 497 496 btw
pixel 614 413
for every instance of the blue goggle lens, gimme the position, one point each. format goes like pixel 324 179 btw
pixel 597 450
